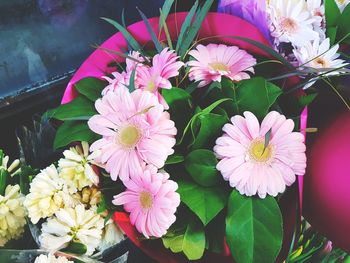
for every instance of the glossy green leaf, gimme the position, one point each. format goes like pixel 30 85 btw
pixel 332 34
pixel 205 202
pixel 132 80
pixel 75 248
pixel 253 228
pixel 343 29
pixel 201 165
pixel 81 108
pixel 256 95
pixel 174 159
pixel 307 99
pixel 332 13
pixel 210 128
pixel 180 107
pixel 90 87
pixel 71 131
pixel 190 241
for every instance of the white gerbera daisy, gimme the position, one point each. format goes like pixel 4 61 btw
pixel 342 4
pixel 320 55
pixel 12 214
pixel 48 193
pixel 76 167
pixel 72 224
pixel 50 258
pixel 291 22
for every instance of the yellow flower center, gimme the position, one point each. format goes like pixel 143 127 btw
pixel 146 200
pixel 320 63
pixel 218 66
pixel 259 153
pixel 151 85
pixel 129 136
pixel 289 25
pixel 341 2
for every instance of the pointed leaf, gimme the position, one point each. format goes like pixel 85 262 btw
pixel 205 202
pixel 90 87
pixel 253 228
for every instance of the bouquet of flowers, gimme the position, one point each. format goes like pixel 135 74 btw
pixel 185 133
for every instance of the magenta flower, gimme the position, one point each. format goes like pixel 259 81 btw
pixel 152 200
pixel 135 130
pixel 214 61
pixel 252 168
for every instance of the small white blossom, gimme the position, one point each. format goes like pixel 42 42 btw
pixel 320 55
pixel 112 235
pixel 48 193
pixel 72 224
pixel 76 167
pixel 12 214
pixel 291 22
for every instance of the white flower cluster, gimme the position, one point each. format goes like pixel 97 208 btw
pixel 301 24
pixel 67 197
pixel 12 214
pixel 50 258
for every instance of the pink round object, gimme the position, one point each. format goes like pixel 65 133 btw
pixel 327 183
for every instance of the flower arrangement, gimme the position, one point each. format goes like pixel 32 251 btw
pixel 188 143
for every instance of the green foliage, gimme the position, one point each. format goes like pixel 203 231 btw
pixel 205 202
pixel 190 240
pixel 75 248
pixel 253 228
pixel 90 87
pixel 343 32
pixel 307 99
pixel 129 38
pixel 255 95
pixel 175 159
pixel 201 165
pixel 71 131
pixel 165 12
pixel 210 126
pixel 81 108
pixel 332 13
pixel 215 233
pixel 150 30
pixel 180 106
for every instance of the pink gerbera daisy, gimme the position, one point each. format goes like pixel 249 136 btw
pixel 151 199
pixel 135 130
pixel 213 61
pixel 254 167
pixel 165 65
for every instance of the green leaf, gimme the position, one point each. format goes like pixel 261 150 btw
pixel 180 109
pixel 131 86
pixel 80 108
pixel 257 96
pixel 253 228
pixel 150 30
pixel 190 241
pixel 75 248
pixel 3 180
pixel 205 202
pixel 90 87
pixel 174 159
pixel 194 28
pixel 307 99
pixel 332 13
pixel 215 233
pixel 210 127
pixel 194 241
pixel 129 38
pixel 71 131
pixel 332 34
pixel 165 12
pixel 343 31
pixel 185 26
pixel 166 30
pixel 201 165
